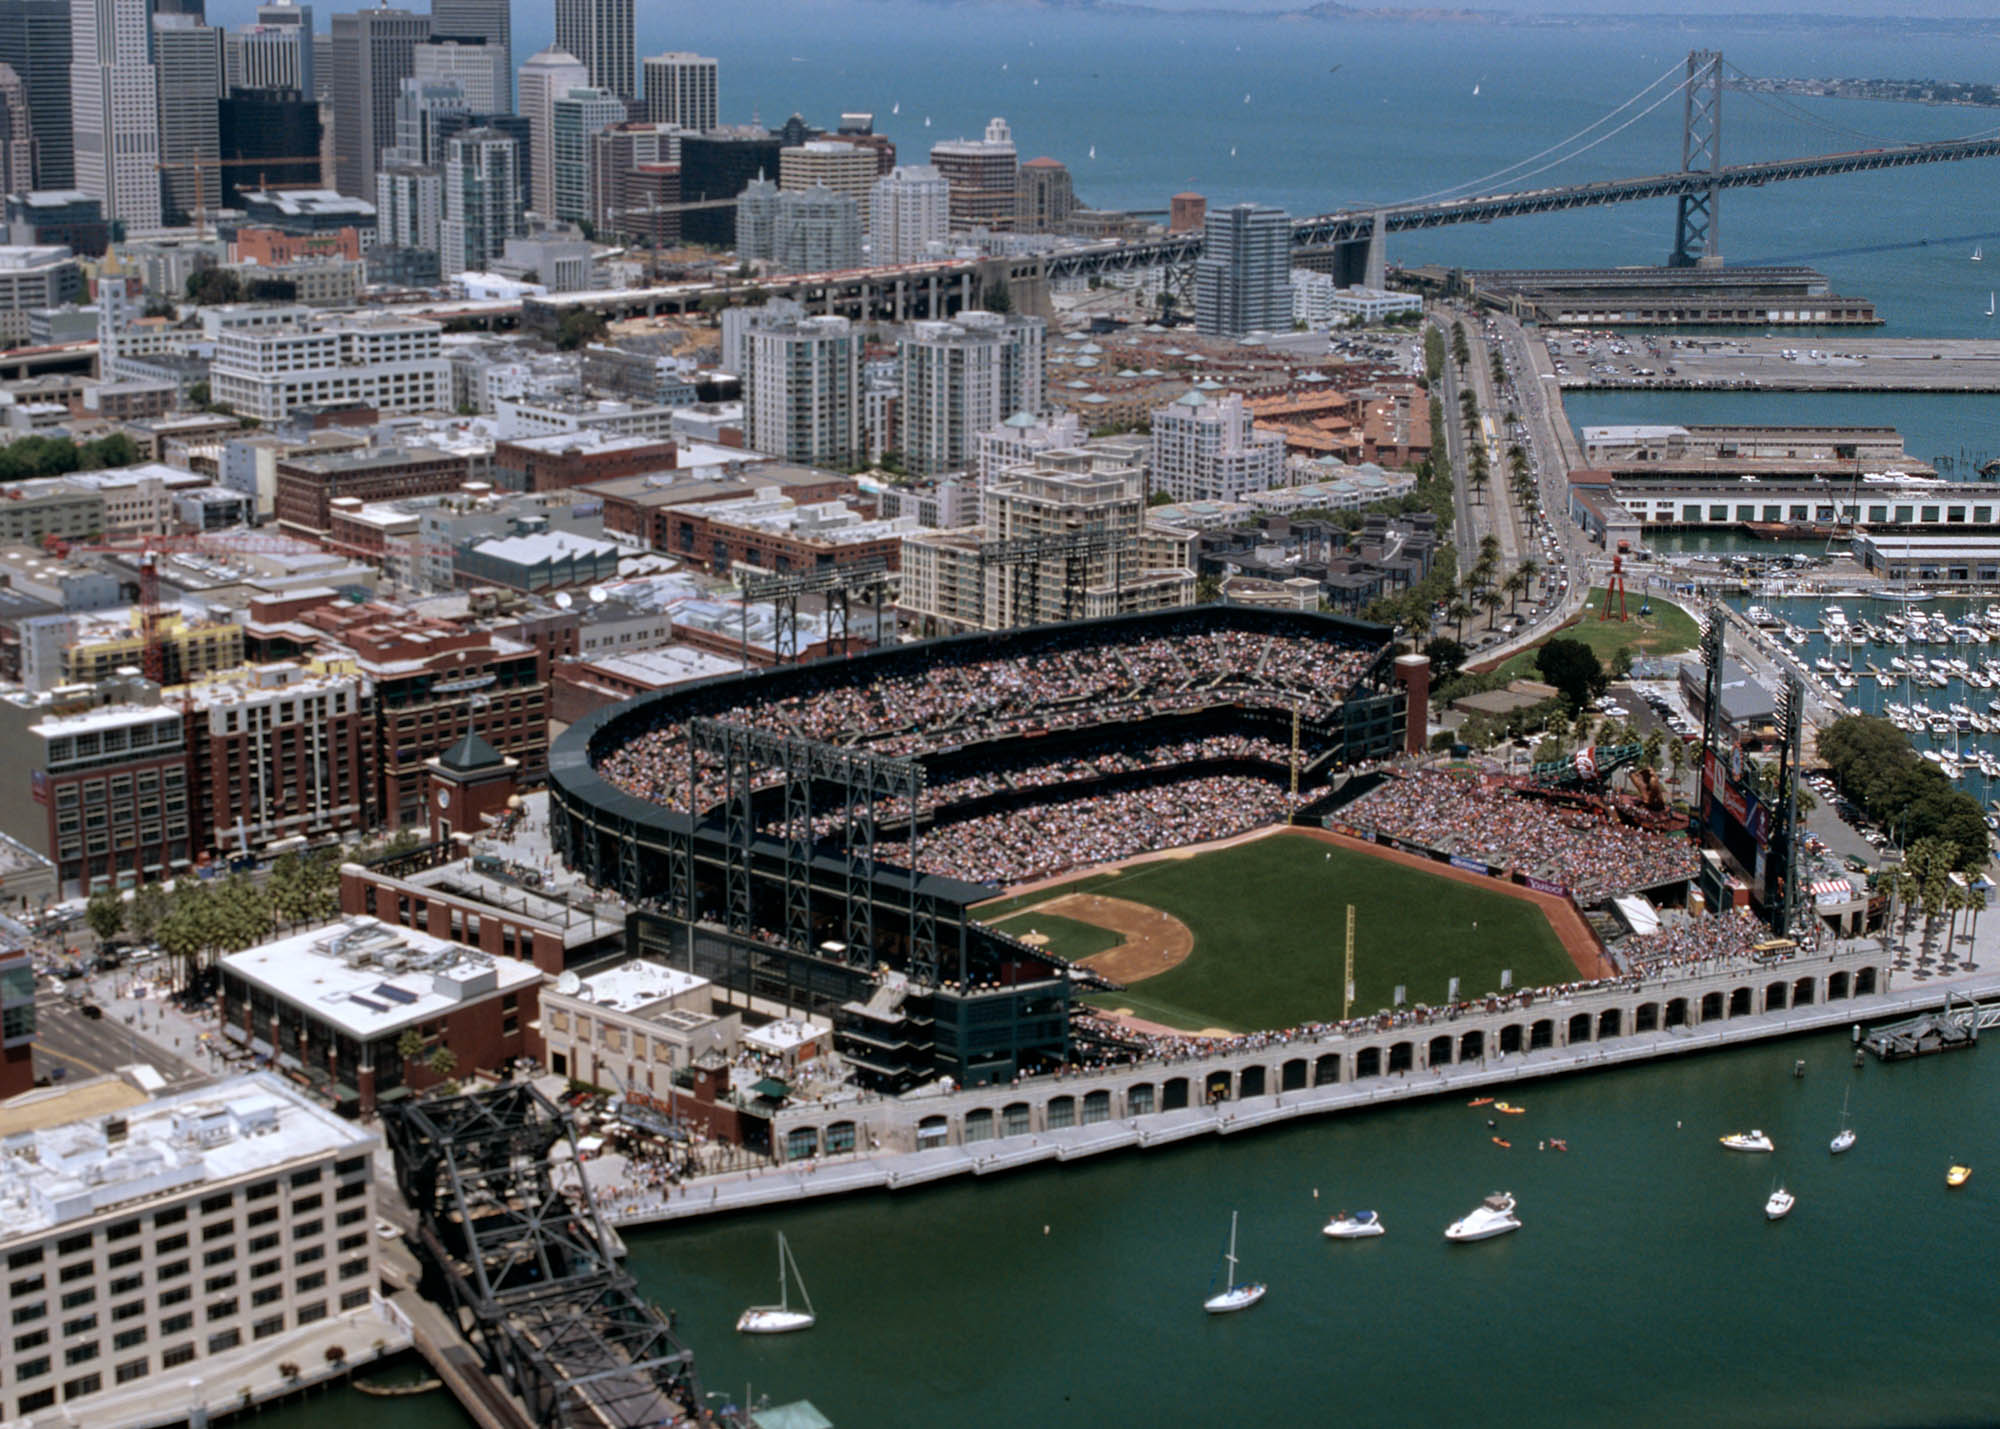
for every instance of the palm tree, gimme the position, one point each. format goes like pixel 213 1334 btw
pixel 1456 613
pixel 1516 585
pixel 1490 598
pixel 1531 568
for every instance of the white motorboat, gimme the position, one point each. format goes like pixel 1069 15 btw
pixel 1234 1296
pixel 1843 1138
pixel 1779 1205
pixel 1748 1141
pixel 1494 1216
pixel 781 1318
pixel 1355 1226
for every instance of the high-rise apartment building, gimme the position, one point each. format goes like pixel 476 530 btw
pixel 114 101
pixel 681 88
pixel 829 164
pixel 35 40
pixel 1243 280
pixel 481 210
pixel 409 205
pixel 188 56
pixel 1204 450
pixel 546 76
pixel 17 134
pixel 1043 196
pixel 802 390
pixel 962 377
pixel 575 120
pixel 983 177
pixel 492 23
pixel 816 231
pixel 909 208
pixel 599 32
pixel 374 51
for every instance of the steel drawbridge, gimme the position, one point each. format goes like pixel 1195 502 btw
pixel 530 1277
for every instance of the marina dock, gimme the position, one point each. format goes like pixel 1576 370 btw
pixel 1793 364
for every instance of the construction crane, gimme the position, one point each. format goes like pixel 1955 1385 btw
pixel 201 194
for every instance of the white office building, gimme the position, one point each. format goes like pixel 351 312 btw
pixel 460 62
pixel 909 208
pixel 1205 450
pixel 681 89
pixel 802 390
pixel 961 378
pixel 391 364
pixel 114 108
pixel 546 76
pixel 274 53
pixel 1318 302
pixel 1242 282
pixel 179 1240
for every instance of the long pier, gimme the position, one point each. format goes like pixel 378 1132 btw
pixel 986 1131
pixel 1794 364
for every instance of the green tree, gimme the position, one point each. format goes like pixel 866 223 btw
pixel 1621 662
pixel 149 907
pixel 1573 668
pixel 1446 656
pixel 997 299
pixel 214 285
pixel 1433 355
pixel 442 1062
pixel 105 913
pixel 410 1045
pixel 198 393
pixel 578 328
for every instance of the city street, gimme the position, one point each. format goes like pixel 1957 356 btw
pixel 69 1043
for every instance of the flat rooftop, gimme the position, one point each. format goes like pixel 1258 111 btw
pixel 634 986
pixel 57 1175
pixel 370 979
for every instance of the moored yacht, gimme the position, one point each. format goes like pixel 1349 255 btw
pixel 1357 1225
pixel 1494 1216
pixel 1748 1141
pixel 1779 1205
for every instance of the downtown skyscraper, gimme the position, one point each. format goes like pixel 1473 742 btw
pixel 599 32
pixel 491 21
pixel 34 39
pixel 373 53
pixel 114 103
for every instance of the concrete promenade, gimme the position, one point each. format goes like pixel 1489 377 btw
pixel 868 1170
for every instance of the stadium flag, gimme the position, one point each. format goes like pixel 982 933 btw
pixel 1400 998
pixel 1451 991
pixel 1350 992
pixel 1506 978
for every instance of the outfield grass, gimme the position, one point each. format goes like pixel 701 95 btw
pixel 1068 939
pixel 1667 631
pixel 1269 924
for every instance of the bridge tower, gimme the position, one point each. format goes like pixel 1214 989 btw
pixel 1697 232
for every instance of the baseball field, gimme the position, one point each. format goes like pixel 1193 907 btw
pixel 1252 935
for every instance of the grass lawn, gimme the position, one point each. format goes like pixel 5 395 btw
pixel 1068 939
pixel 1667 631
pixel 1269 924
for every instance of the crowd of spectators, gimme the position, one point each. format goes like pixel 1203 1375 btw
pixel 1701 944
pixel 1593 855
pixel 1049 838
pixel 917 707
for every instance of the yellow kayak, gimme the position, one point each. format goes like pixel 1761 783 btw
pixel 1510 1110
pixel 1958 1176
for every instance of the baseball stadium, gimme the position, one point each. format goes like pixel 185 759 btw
pixel 992 855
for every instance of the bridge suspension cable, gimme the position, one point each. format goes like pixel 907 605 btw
pixel 1511 171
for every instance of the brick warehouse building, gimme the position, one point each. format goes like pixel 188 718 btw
pixel 308 485
pixel 433 681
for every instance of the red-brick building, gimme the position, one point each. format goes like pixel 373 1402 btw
pixel 308 485
pixel 576 459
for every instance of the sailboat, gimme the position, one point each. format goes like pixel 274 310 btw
pixel 781 1318
pixel 1977 254
pixel 1989 302
pixel 1234 1296
pixel 1844 1138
